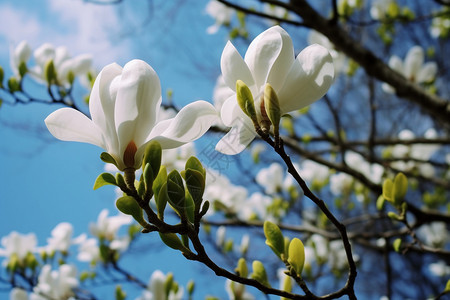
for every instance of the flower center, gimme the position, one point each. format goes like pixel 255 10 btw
pixel 128 155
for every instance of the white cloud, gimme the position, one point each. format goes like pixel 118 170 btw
pixel 82 27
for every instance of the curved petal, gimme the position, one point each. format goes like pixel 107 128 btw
pixel 234 67
pixel 68 124
pixel 396 64
pixel 413 62
pixel 137 103
pixel 230 111
pixel 236 140
pixel 101 103
pixel 308 80
pixel 427 73
pixel 269 56
pixel 191 122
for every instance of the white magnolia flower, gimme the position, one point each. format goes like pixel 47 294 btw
pixel 156 289
pixel 339 59
pixel 221 93
pixel 18 294
pixel 340 184
pixel 383 9
pixel 220 12
pixel 63 62
pixel 107 227
pixel 20 54
pixel 276 11
pixel 61 238
pixel 88 250
pixel 271 178
pixel 373 172
pixel 124 106
pixel 440 269
pixel 270 58
pixel 220 236
pixel 236 291
pixel 313 172
pixel 440 27
pixel 18 245
pixel 55 284
pixel 413 68
pixel 434 234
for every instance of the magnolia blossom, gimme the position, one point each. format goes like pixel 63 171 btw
pixel 88 250
pixel 124 106
pixel 440 269
pixel 440 27
pixel 271 179
pixel 220 12
pixel 270 58
pixel 422 152
pixel 434 234
pixel 373 172
pixel 413 68
pixel 340 184
pixel 236 291
pixel 19 55
pixel 157 289
pixel 61 238
pixel 382 9
pixel 18 294
pixel 314 173
pixel 55 284
pixel 63 62
pixel 18 245
pixel 107 227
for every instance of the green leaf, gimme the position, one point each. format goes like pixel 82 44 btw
pixel 161 200
pixel 296 255
pixel 23 69
pixel 50 72
pixel 397 244
pixel 195 183
pixel 242 268
pixel 107 158
pixel 152 156
pixel 129 206
pixel 380 202
pixel 447 287
pixel 159 181
pixel 388 186
pixel 148 177
pixel 120 294
pixel 259 273
pixel 173 241
pixel 189 207
pixel 104 179
pixel 176 193
pixel 274 238
pixel 194 164
pixel 400 188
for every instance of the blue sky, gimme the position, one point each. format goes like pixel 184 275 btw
pixel 45 181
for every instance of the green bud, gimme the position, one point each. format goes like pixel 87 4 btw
pixel 388 185
pixel 161 199
pixel 84 276
pixel 120 181
pixel 241 268
pixel 190 287
pixel 13 85
pixel 70 77
pixel 2 76
pixel 296 255
pixel 393 216
pixel 23 69
pixel 194 164
pixel 159 181
pixel 129 206
pixel 400 188
pixel 228 247
pixel 104 179
pixel 287 285
pixel 168 284
pixel 119 293
pixel 272 106
pixel 148 178
pixel 205 208
pixel 447 287
pixel 259 273
pixel 50 72
pixel 13 263
pixel 245 100
pixel 397 244
pixel 152 156
pixel 274 238
pixel 31 261
pixel 380 202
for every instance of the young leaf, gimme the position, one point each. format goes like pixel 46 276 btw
pixel 274 238
pixel 388 186
pixel 259 273
pixel 296 255
pixel 152 156
pixel 173 241
pixel 194 164
pixel 400 188
pixel 241 268
pixel 397 244
pixel 195 183
pixel 161 199
pixel 104 179
pixel 129 206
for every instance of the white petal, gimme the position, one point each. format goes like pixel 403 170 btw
pixel 413 62
pixel 427 73
pixel 231 111
pixel 269 55
pixel 137 103
pixel 101 106
pixel 396 64
pixel 234 67
pixel 191 122
pixel 308 80
pixel 68 124
pixel 236 140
